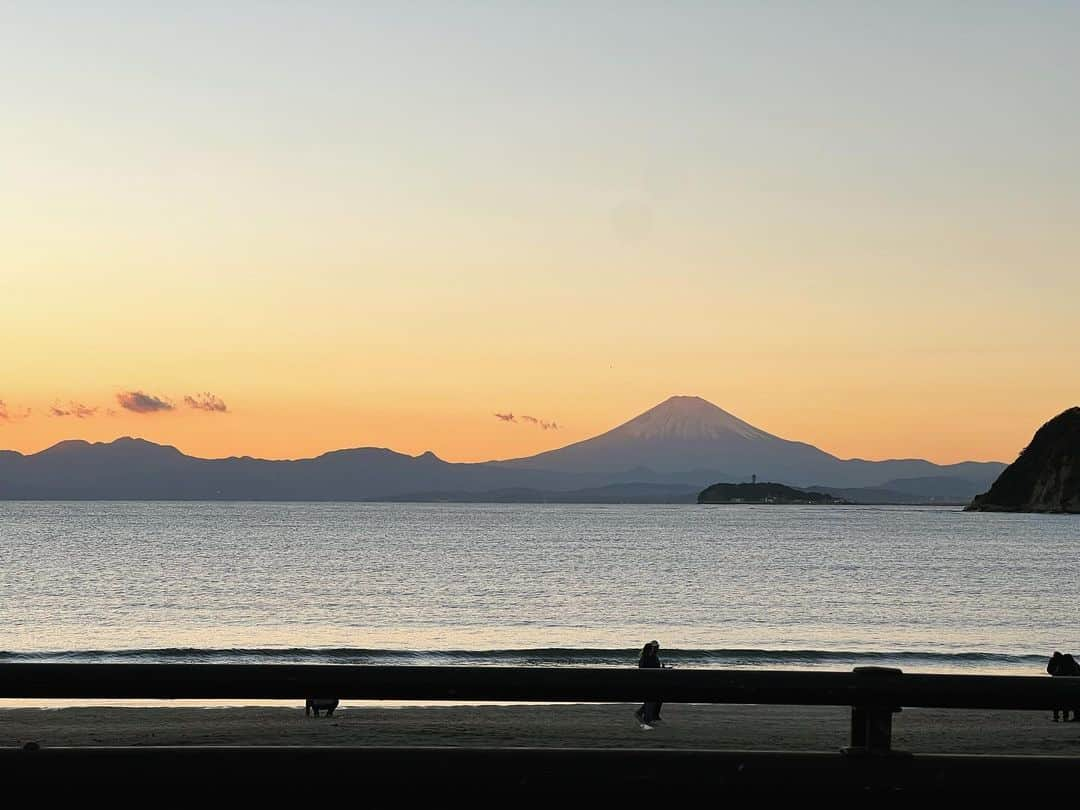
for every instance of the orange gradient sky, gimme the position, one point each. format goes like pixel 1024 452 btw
pixel 855 227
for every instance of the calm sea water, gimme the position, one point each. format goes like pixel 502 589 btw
pixel 927 589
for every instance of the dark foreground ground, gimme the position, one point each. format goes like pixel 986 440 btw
pixel 760 728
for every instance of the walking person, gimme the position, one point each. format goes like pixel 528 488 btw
pixel 649 713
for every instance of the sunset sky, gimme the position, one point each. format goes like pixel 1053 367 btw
pixel 276 229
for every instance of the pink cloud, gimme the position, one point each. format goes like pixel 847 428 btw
pixel 206 402
pixel 141 402
pixel 76 409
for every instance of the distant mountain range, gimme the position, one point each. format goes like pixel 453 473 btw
pixel 667 454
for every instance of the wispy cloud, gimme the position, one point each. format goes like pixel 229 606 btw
pixel 141 402
pixel 206 402
pixel 76 409
pixel 543 424
pixel 8 415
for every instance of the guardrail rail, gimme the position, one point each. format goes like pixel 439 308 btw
pixel 873 693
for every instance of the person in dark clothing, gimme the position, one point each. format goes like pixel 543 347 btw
pixel 1055 666
pixel 1064 665
pixel 1070 667
pixel 649 712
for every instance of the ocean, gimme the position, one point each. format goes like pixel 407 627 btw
pixel 741 586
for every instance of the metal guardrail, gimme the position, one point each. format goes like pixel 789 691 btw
pixel 873 693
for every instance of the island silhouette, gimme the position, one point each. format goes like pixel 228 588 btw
pixel 764 493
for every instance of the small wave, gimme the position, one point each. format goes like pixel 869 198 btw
pixel 546 656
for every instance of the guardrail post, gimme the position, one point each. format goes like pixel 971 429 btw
pixel 871 724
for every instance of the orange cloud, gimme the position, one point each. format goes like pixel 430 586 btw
pixel 6 415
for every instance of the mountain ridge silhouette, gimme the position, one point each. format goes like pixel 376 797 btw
pixel 681 441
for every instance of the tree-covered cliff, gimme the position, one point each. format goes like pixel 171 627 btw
pixel 1046 476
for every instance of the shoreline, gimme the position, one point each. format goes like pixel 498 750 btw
pixel 735 727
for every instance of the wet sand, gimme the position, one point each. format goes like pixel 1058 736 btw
pixel 609 725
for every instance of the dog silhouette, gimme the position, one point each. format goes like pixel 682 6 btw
pixel 317 705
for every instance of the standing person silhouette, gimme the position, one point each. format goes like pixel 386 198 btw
pixel 1056 666
pixel 649 712
pixel 1069 666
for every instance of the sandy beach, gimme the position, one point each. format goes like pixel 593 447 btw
pixel 608 725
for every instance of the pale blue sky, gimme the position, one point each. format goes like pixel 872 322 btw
pixel 895 180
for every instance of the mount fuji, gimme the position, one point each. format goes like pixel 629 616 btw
pixel 666 454
pixel 685 437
